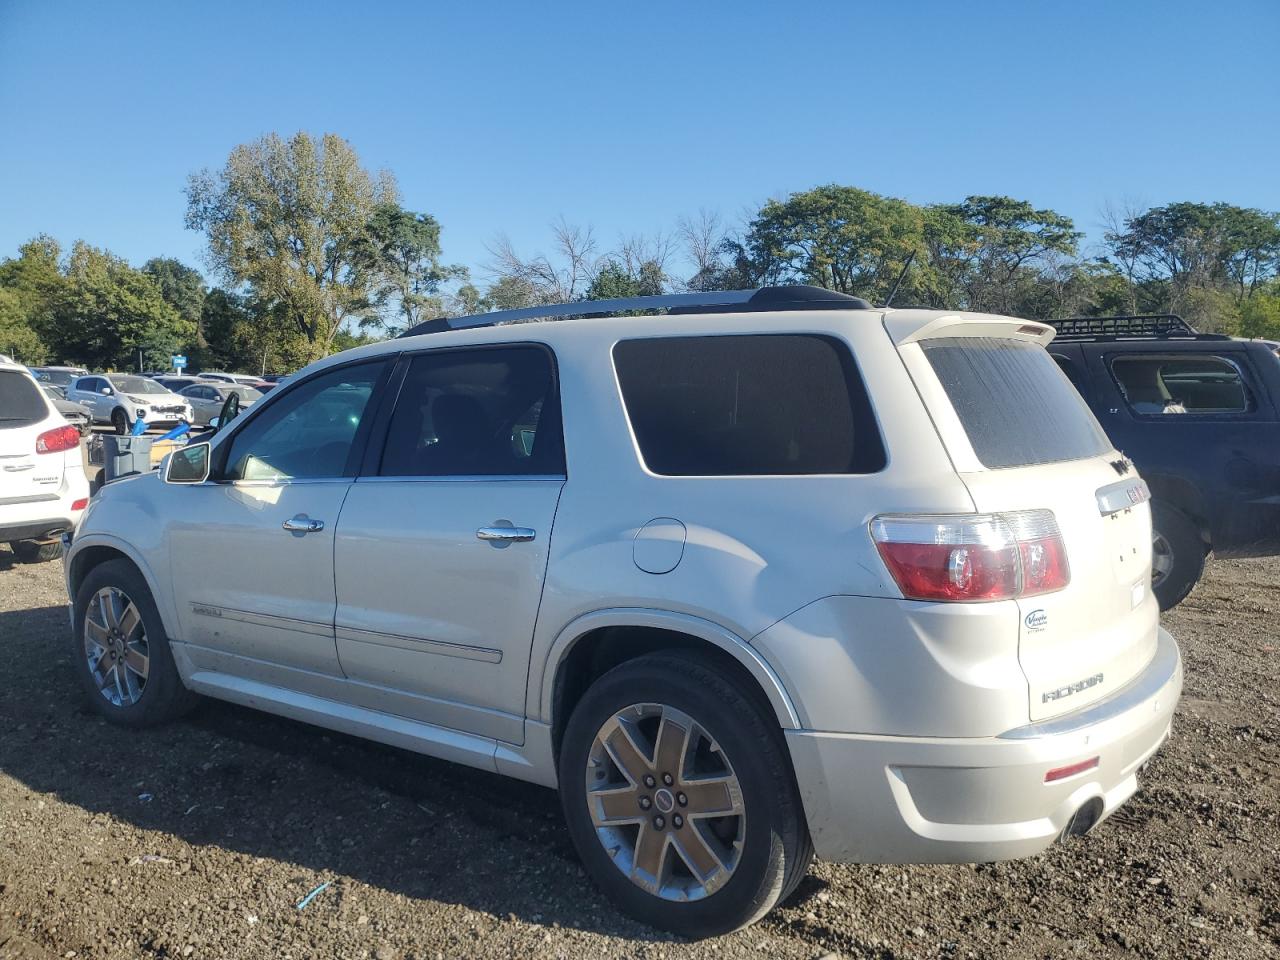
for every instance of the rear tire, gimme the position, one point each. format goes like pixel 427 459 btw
pixel 754 857
pixel 1177 555
pixel 120 421
pixel 32 551
pixel 129 697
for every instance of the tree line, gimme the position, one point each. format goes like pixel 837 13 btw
pixel 312 252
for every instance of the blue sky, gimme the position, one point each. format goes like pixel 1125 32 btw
pixel 502 117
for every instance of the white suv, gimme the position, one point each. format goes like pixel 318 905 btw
pixel 772 574
pixel 121 399
pixel 43 487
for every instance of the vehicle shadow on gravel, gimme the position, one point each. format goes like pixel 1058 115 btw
pixel 273 788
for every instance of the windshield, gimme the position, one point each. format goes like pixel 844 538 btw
pixel 137 385
pixel 61 377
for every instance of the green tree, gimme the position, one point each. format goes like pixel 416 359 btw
pixel 991 249
pixel 109 311
pixel 843 238
pixel 243 334
pixel 615 280
pixel 1260 314
pixel 182 288
pixel 17 338
pixel 1183 247
pixel 400 253
pixel 34 285
pixel 288 218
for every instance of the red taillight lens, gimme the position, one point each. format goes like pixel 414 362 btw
pixel 973 558
pixel 80 504
pixel 58 439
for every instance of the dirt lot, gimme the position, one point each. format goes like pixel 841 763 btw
pixel 198 840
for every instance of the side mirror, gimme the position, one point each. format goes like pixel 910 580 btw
pixel 106 391
pixel 214 422
pixel 188 465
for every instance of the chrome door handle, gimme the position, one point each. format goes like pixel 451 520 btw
pixel 301 524
pixel 506 534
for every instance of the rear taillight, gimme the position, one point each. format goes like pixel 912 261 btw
pixel 79 504
pixel 58 439
pixel 998 556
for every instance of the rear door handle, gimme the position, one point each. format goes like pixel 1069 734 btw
pixel 503 535
pixel 303 524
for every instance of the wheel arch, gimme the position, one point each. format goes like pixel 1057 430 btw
pixel 93 551
pixel 596 642
pixel 1180 494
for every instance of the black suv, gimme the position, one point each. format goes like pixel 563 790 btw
pixel 1199 415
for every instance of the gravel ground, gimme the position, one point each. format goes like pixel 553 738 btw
pixel 199 839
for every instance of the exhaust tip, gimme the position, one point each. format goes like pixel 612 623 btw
pixel 1084 819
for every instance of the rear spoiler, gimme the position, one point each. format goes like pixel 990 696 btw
pixel 911 326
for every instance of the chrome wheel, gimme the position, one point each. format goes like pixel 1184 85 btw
pixel 665 802
pixel 115 646
pixel 1161 559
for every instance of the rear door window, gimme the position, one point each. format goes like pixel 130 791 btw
pixel 1154 385
pixel 488 412
pixel 754 405
pixel 1016 406
pixel 21 403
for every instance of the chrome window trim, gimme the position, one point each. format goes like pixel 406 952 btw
pixel 281 481
pixel 465 478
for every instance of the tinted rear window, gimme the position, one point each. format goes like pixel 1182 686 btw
pixel 779 404
pixel 21 403
pixel 1016 406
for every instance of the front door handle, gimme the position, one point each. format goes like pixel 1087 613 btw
pixel 303 524
pixel 504 535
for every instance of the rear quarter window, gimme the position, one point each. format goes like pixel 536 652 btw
pixel 21 402
pixel 1017 407
pixel 748 405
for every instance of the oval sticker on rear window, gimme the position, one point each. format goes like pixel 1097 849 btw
pixel 1036 620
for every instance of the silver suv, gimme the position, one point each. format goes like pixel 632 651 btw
pixel 768 574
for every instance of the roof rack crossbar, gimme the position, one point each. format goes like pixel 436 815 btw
pixel 584 308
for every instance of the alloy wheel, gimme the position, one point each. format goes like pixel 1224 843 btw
pixel 665 802
pixel 115 647
pixel 1161 559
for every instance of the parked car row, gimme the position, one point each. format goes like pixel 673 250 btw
pixel 120 400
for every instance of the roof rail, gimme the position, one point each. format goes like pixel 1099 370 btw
pixel 711 301
pixel 1142 326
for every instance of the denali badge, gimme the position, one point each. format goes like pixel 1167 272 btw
pixel 1071 689
pixel 1036 620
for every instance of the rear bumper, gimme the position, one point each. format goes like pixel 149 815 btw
pixel 45 529
pixel 881 799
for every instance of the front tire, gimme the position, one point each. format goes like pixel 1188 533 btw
pixel 1177 555
pixel 120 652
pixel 679 796
pixel 120 421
